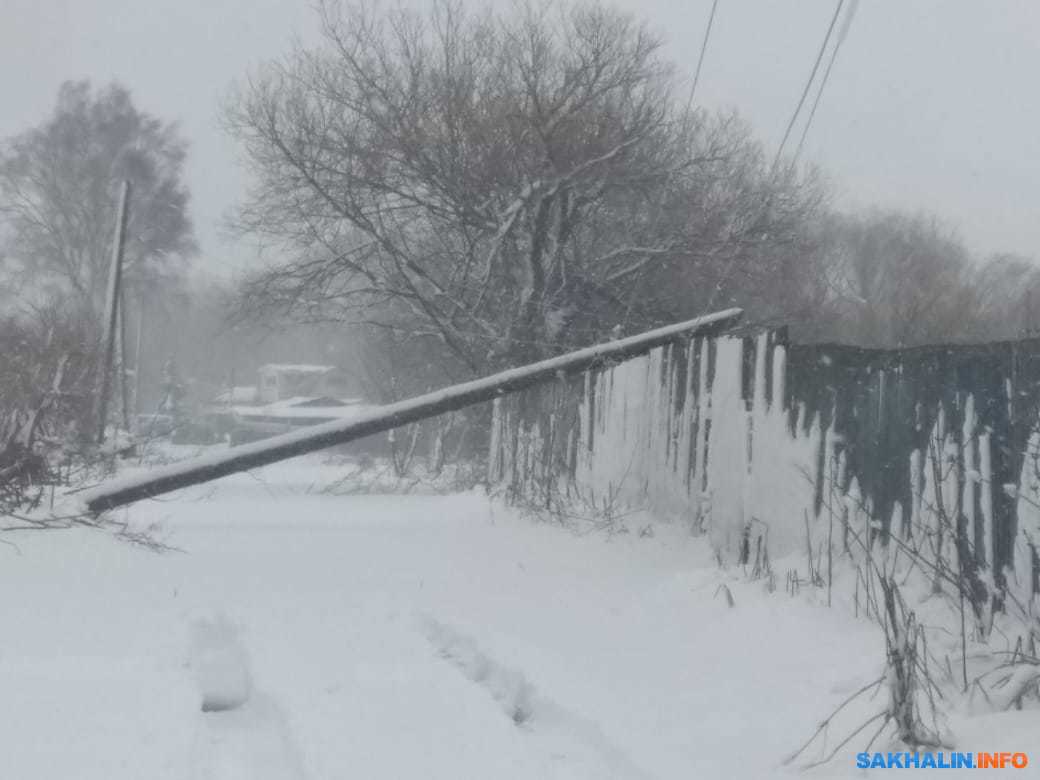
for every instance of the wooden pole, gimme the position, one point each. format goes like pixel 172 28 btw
pixel 124 391
pixel 115 274
pixel 137 360
pixel 123 491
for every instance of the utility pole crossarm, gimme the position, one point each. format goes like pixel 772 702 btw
pixel 122 491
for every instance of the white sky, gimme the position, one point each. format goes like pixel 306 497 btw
pixel 932 105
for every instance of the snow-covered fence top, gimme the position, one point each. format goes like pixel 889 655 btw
pixel 121 491
pixel 770 446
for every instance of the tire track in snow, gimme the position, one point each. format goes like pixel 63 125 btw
pixel 241 734
pixel 576 744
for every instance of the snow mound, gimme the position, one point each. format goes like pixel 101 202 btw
pixel 219 663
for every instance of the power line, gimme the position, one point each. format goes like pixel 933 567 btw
pixel 658 210
pixel 826 74
pixel 700 58
pixel 771 192
pixel 808 84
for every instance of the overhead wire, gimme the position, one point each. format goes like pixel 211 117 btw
pixel 767 203
pixel 700 58
pixel 686 117
pixel 849 15
pixel 809 82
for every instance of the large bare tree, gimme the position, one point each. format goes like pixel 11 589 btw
pixel 501 184
pixel 59 187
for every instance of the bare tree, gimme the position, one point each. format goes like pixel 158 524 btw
pixel 500 184
pixel 58 194
pixel 1007 290
pixel 899 279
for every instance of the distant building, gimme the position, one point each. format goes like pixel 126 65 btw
pixel 255 422
pixel 237 396
pixel 289 395
pixel 282 381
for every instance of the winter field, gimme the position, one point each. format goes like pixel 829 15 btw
pixel 298 634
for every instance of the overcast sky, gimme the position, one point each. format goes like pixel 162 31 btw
pixel 932 105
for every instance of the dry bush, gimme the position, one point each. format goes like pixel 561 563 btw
pixel 47 372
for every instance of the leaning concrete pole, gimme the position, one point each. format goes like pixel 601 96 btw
pixel 115 279
pixel 121 491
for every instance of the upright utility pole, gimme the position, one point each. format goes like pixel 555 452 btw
pixel 124 398
pixel 115 278
pixel 137 361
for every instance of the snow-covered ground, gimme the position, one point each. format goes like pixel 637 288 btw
pixel 305 635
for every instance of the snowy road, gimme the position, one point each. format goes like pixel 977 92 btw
pixel 399 637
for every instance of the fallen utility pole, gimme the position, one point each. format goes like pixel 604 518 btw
pixel 122 491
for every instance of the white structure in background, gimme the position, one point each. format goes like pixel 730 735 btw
pixel 281 381
pixel 235 396
pixel 287 396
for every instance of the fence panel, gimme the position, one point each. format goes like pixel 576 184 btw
pixel 757 441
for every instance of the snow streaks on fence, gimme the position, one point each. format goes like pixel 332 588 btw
pixel 769 445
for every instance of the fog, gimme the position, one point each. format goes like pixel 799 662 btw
pixel 928 106
pixel 458 389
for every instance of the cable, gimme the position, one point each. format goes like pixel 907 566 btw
pixel 686 116
pixel 826 74
pixel 729 268
pixel 723 279
pixel 808 84
pixel 700 58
